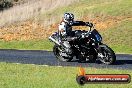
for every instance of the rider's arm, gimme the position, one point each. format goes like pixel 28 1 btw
pixel 81 23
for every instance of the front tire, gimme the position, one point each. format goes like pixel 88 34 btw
pixel 57 51
pixel 106 55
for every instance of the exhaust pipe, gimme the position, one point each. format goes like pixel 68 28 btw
pixel 55 41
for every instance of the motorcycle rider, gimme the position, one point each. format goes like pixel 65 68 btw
pixel 65 29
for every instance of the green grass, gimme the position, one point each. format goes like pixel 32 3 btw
pixel 27 45
pixel 35 76
pixel 92 8
pixel 119 37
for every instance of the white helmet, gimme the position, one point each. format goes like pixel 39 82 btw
pixel 68 17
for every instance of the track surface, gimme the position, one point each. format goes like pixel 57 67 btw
pixel 124 61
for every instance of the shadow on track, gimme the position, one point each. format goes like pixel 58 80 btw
pixel 118 62
pixel 121 62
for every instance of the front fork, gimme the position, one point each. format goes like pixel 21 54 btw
pixel 98 50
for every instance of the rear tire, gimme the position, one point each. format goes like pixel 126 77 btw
pixel 56 50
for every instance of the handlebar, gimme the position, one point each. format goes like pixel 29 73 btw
pixel 89 24
pixel 83 35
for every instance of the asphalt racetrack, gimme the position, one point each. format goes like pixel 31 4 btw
pixel 40 57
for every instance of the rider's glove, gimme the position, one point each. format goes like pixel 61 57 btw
pixel 89 24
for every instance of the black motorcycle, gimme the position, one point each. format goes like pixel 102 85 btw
pixel 85 45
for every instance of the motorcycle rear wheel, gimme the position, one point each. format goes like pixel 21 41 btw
pixel 57 50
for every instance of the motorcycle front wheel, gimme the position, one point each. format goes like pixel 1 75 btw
pixel 106 55
pixel 57 50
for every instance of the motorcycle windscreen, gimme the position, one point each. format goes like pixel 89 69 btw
pixel 97 36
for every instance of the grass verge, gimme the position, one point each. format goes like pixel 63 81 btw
pixel 27 45
pixel 92 9
pixel 35 76
pixel 119 37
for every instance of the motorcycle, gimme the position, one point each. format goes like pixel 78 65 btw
pixel 85 46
